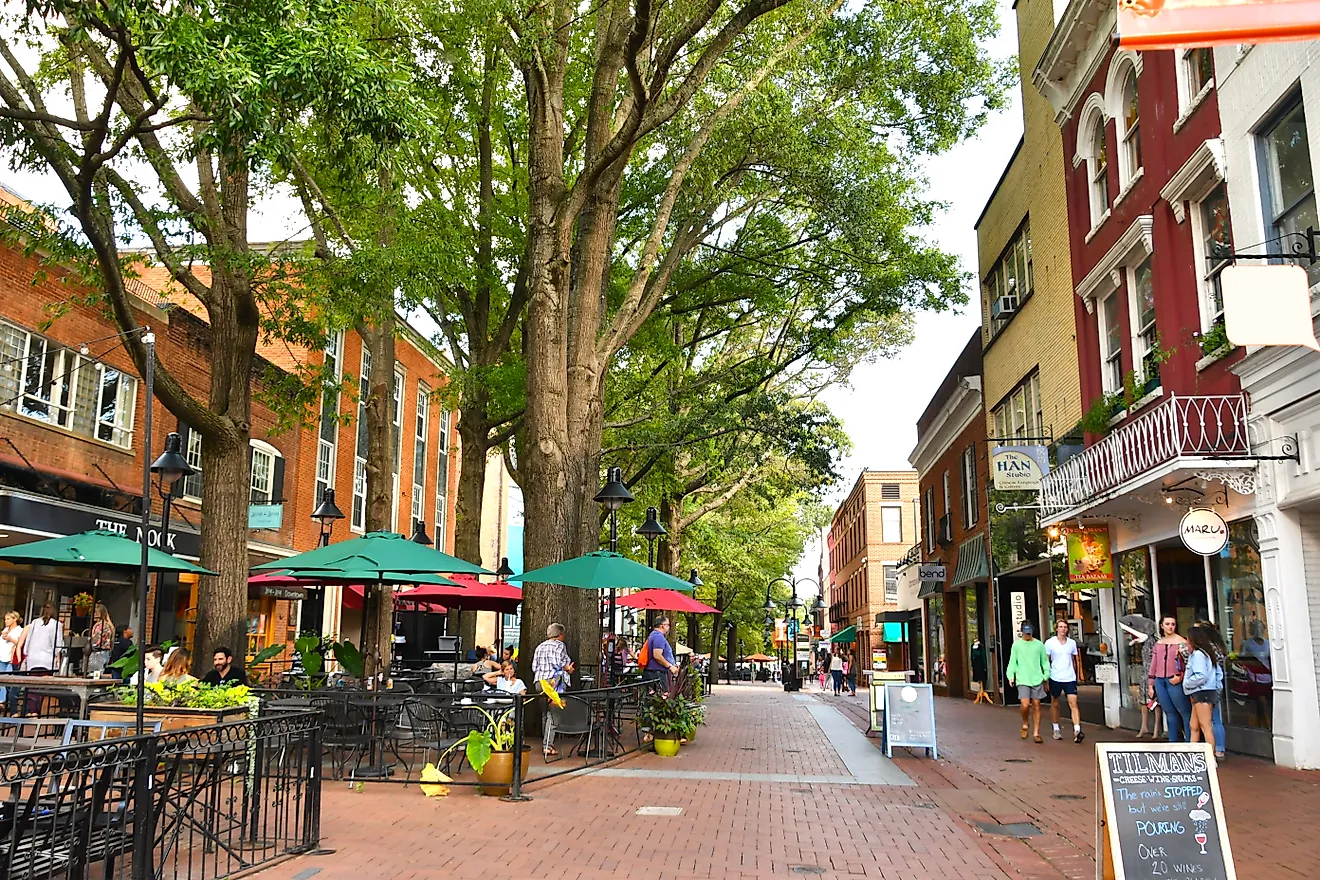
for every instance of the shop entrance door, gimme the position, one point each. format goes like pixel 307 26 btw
pixel 1019 599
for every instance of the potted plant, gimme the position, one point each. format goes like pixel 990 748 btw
pixel 83 604
pixel 178 706
pixel 669 715
pixel 490 752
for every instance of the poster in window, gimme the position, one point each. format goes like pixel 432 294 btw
pixel 1089 558
pixel 1171 24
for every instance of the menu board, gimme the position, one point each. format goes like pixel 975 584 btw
pixel 909 717
pixel 1161 814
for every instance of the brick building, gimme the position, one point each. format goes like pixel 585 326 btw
pixel 950 459
pixel 72 448
pixel 870 532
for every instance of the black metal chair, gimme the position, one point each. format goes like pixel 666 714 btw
pixel 345 729
pixel 429 729
pixel 575 719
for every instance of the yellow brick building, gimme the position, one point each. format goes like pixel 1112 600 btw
pixel 1027 325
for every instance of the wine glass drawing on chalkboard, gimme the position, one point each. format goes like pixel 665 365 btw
pixel 1200 821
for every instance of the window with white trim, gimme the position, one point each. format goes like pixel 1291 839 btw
pixel 1020 413
pixel 1097 170
pixel 1215 234
pixel 1145 336
pixel 442 480
pixel 1197 74
pixel 928 519
pixel 1129 130
pixel 970 494
pixel 1011 280
pixel 1111 344
pixel 891 524
pixel 419 452
pixel 358 519
pixel 396 427
pixel 327 442
pixel 262 482
pixel 192 484
pixel 1290 191
pixel 45 382
pixel 891 583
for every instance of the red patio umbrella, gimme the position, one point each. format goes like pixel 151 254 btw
pixel 666 600
pixel 471 594
pixel 353 600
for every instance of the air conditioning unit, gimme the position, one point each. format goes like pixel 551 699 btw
pixel 944 530
pixel 1003 307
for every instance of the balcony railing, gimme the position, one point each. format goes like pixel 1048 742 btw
pixel 1209 426
pixel 911 557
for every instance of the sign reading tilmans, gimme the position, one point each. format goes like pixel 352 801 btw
pixel 1017 468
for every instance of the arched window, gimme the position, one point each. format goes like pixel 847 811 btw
pixel 1129 130
pixel 1098 171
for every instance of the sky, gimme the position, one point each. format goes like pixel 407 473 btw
pixel 880 408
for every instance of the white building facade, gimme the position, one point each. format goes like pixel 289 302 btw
pixel 1269 104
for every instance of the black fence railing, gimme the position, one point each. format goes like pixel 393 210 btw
pixel 391 735
pixel 198 803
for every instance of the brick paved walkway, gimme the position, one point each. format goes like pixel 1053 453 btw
pixel 736 824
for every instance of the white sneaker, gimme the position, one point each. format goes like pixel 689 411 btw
pixel 1057 735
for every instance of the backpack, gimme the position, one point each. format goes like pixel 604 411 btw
pixel 644 655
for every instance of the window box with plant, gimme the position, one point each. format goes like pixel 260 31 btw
pixel 1214 342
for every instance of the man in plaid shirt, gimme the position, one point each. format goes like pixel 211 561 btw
pixel 551 663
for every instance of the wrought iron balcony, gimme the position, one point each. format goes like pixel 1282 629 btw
pixel 911 557
pixel 1213 427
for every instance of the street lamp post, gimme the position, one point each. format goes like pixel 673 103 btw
pixel 171 466
pixel 612 496
pixel 792 608
pixel 652 530
pixel 326 513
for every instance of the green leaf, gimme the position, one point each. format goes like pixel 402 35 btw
pixel 270 652
pixel 479 745
pixel 349 657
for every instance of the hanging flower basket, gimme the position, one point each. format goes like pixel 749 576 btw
pixel 83 602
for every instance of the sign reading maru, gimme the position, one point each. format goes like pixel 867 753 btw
pixel 1203 531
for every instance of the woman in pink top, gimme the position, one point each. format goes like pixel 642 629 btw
pixel 1167 663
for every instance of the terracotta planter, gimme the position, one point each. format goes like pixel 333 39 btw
pixel 665 747
pixel 497 775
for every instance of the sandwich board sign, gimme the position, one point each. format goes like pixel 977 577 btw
pixel 910 717
pixel 877 690
pixel 1160 815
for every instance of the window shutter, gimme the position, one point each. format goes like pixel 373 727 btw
pixel 277 480
pixel 176 491
pixel 250 492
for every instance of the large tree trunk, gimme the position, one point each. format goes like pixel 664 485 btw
pixel 382 446
pixel 473 430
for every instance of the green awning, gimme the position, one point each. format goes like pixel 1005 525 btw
pixel 972 563
pixel 844 635
pixel 930 588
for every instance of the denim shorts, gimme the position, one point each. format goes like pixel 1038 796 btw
pixel 1211 697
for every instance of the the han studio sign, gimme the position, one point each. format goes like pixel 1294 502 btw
pixel 1019 468
pixel 1203 531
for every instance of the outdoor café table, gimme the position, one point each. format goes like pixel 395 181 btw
pixel 375 702
pixel 52 685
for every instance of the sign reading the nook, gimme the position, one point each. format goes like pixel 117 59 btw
pixel 1159 814
pixel 1018 468
pixel 1203 531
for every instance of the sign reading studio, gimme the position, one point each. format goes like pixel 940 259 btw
pixel 1019 468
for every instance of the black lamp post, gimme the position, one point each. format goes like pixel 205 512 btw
pixel 792 608
pixel 652 531
pixel 613 495
pixel 502 573
pixel 326 513
pixel 170 467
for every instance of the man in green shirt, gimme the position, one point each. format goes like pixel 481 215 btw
pixel 1028 668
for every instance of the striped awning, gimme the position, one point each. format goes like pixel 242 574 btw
pixel 930 588
pixel 972 563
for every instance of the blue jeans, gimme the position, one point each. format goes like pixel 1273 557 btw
pixel 4 692
pixel 1177 708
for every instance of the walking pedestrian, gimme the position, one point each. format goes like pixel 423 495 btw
pixel 1167 664
pixel 1028 667
pixel 551 663
pixel 1064 663
pixel 1202 680
pixel 1217 717
pixel 850 673
pixel 657 656
pixel 10 636
pixel 836 671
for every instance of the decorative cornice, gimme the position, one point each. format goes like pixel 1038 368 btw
pixel 1133 246
pixel 1076 49
pixel 1202 171
pixel 963 405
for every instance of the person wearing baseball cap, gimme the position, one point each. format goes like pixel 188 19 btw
pixel 1028 669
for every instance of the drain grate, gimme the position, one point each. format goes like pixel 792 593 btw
pixel 1017 760
pixel 1069 797
pixel 1013 829
pixel 746 749
pixel 800 790
pixel 807 869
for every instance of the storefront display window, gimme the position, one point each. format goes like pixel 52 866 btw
pixel 935 640
pixel 1240 602
pixel 1136 609
pixel 976 671
pixel 258 635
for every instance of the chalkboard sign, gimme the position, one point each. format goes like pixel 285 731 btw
pixel 909 717
pixel 1161 815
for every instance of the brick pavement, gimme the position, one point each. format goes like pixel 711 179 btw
pixel 585 827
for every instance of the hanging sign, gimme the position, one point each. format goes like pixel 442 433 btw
pixel 1159 814
pixel 1089 558
pixel 932 572
pixel 1019 468
pixel 265 516
pixel 1203 531
pixel 1172 24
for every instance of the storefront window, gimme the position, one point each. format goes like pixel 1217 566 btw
pixel 257 635
pixel 975 650
pixel 1136 609
pixel 1240 600
pixel 936 642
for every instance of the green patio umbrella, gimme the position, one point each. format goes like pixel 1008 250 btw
pixel 602 570
pixel 375 551
pixel 97 549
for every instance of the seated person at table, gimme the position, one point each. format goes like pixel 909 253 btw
pixel 508 655
pixel 123 641
pixel 506 681
pixel 224 672
pixel 484 663
pixel 154 663
pixel 176 667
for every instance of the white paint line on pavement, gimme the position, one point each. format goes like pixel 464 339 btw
pixel 864 761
